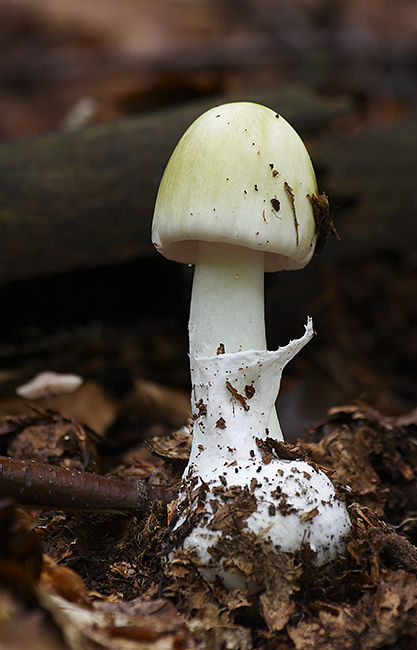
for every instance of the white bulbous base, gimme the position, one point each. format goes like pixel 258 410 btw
pixel 286 503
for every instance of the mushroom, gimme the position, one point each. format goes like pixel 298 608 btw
pixel 237 199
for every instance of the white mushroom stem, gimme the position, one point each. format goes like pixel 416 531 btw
pixel 227 306
pixel 293 502
pixel 232 398
pixel 227 302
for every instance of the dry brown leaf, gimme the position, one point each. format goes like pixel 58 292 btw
pixel 133 625
pixel 90 405
pixel 19 624
pixel 380 618
pixel 371 453
pixel 49 438
pixel 161 402
pixel 330 631
pixel 65 582
pixel 175 448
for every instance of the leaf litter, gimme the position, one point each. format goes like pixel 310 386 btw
pixel 104 580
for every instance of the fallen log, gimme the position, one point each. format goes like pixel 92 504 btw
pixel 371 179
pixel 85 199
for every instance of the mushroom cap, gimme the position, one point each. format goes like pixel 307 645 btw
pixel 239 175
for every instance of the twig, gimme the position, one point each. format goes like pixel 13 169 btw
pixel 237 396
pixel 46 486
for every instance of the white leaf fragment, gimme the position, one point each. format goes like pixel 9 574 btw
pixel 48 383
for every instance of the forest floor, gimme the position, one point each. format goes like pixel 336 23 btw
pixel 97 578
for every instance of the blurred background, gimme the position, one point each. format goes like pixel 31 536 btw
pixel 344 72
pixel 128 56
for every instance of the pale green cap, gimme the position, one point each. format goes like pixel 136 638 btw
pixel 239 175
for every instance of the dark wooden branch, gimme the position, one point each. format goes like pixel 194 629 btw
pixel 46 486
pixel 84 199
